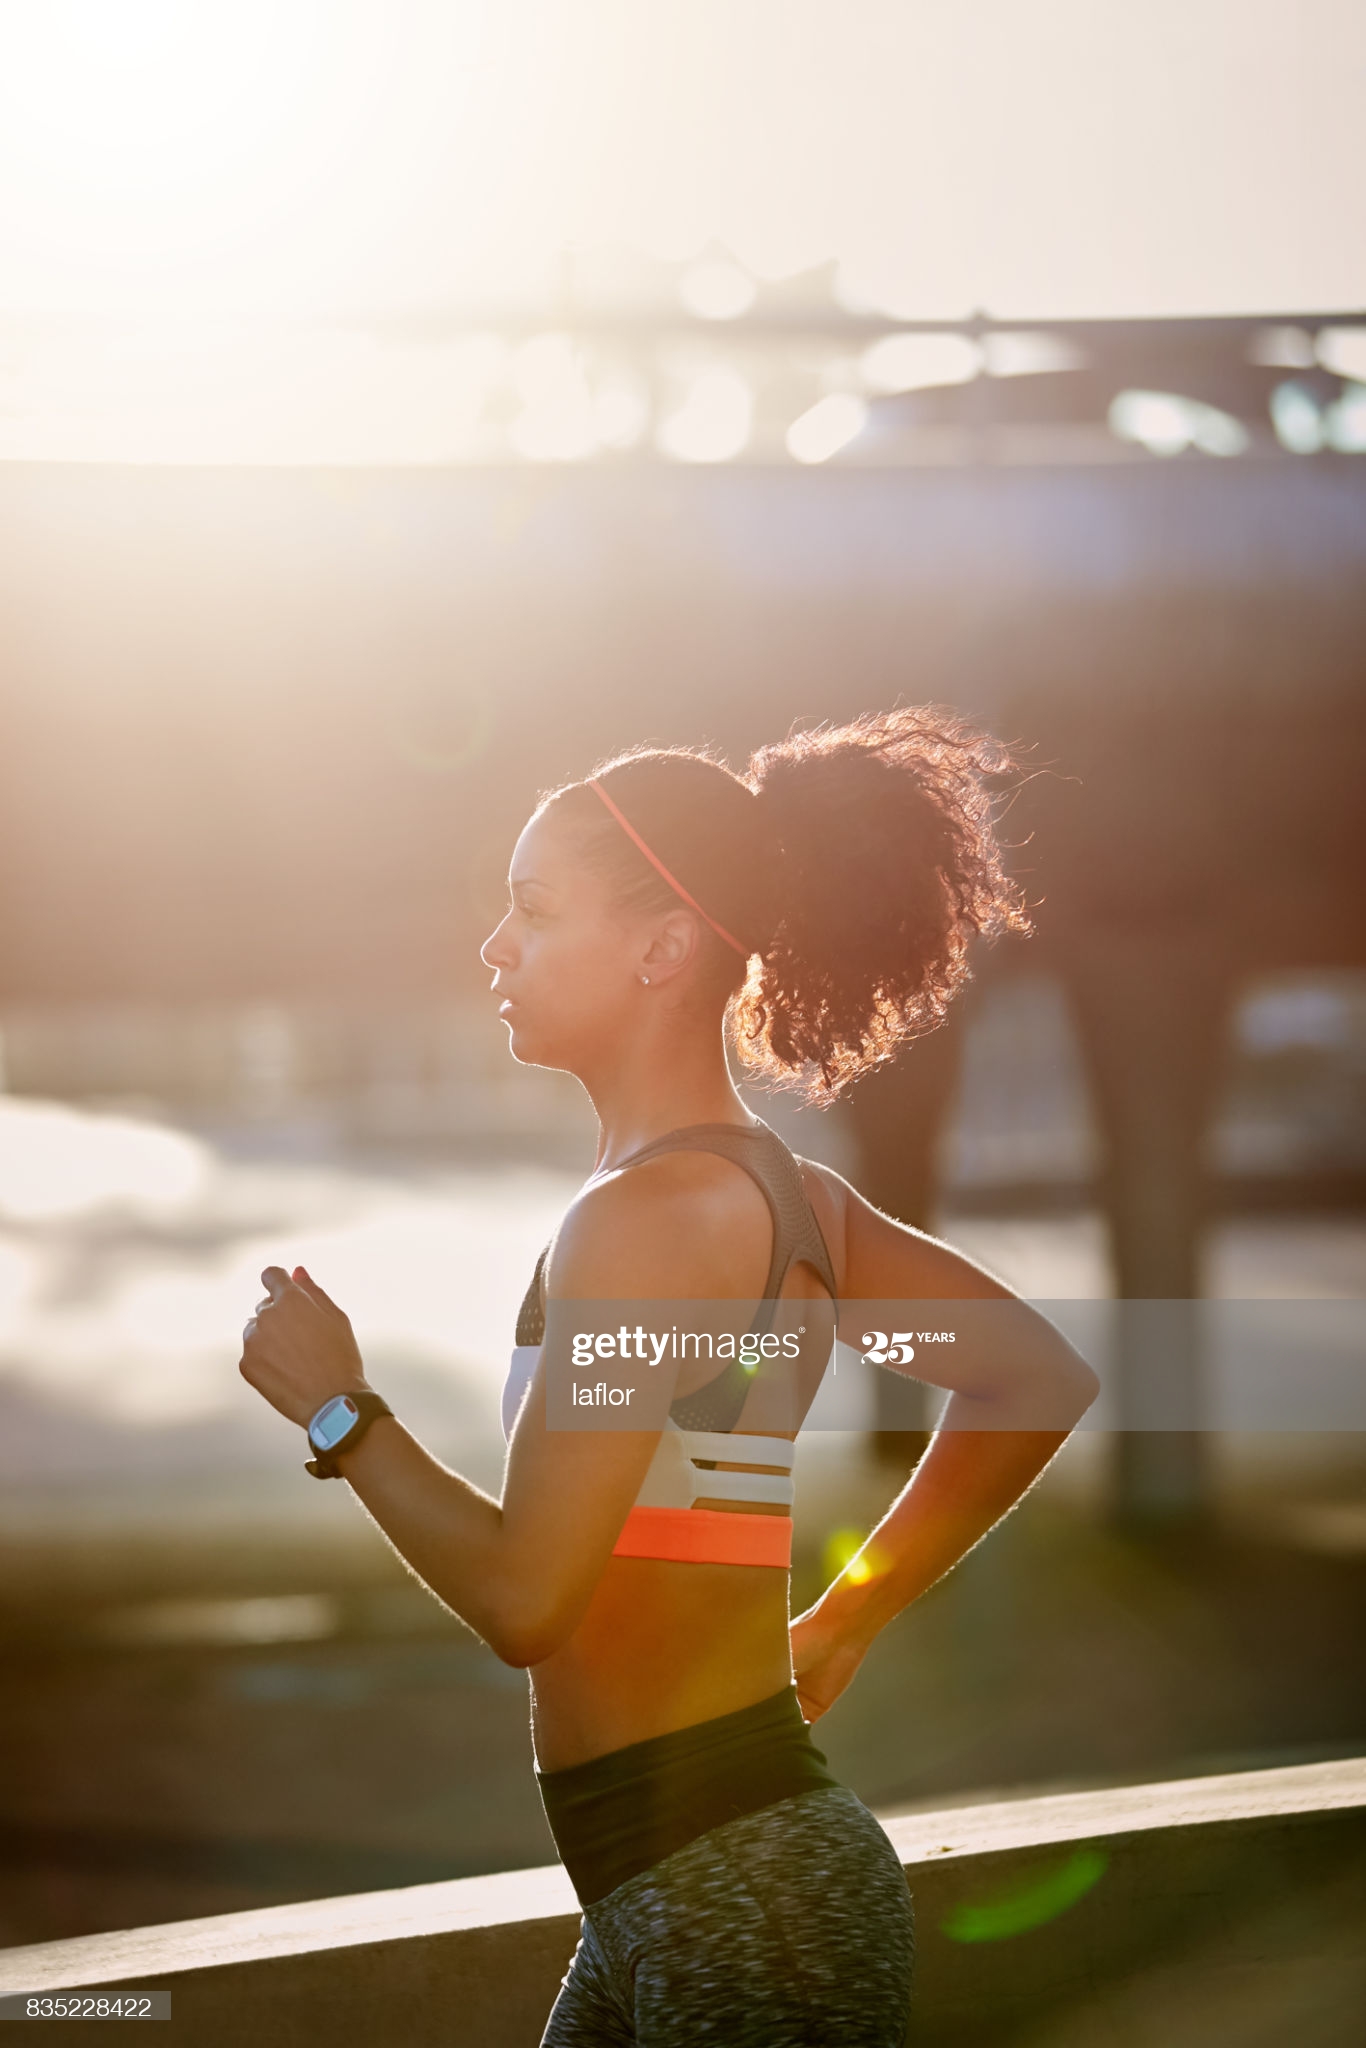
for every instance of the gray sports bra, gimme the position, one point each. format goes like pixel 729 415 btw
pixel 796 1237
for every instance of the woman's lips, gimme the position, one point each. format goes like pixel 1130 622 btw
pixel 506 1004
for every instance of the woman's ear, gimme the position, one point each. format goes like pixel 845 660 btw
pixel 672 948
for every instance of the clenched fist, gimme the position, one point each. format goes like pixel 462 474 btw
pixel 298 1349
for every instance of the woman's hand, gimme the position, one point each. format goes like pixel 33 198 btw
pixel 823 1661
pixel 298 1349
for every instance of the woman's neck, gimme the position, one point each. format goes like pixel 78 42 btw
pixel 641 1098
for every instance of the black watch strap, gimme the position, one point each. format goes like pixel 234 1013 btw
pixel 370 1406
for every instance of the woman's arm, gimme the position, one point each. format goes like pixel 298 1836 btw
pixel 1014 1369
pixel 521 1570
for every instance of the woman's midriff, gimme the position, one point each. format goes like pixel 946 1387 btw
pixel 662 1646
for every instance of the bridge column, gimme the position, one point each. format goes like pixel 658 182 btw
pixel 1150 1013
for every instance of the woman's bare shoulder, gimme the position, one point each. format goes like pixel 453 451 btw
pixel 687 1224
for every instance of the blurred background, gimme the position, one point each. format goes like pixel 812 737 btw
pixel 400 408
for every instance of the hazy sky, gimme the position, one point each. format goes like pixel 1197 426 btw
pixel 209 208
pixel 1029 156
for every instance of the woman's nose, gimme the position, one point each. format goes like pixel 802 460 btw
pixel 495 951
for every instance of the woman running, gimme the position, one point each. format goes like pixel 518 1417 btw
pixel 821 904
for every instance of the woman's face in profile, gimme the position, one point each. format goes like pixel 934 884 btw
pixel 564 964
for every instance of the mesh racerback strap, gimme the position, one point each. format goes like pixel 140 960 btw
pixel 761 1153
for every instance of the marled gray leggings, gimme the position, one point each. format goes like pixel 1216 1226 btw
pixel 787 1927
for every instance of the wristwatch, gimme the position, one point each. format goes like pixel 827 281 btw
pixel 338 1424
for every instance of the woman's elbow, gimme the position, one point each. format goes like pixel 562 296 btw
pixel 526 1632
pixel 1064 1384
pixel 521 1652
pixel 1055 1395
pixel 1080 1388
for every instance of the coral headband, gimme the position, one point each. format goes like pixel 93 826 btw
pixel 629 829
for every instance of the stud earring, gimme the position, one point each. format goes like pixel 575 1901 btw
pixel 645 980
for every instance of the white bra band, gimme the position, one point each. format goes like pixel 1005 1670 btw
pixel 763 1486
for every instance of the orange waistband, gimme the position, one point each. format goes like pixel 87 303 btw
pixel 706 1536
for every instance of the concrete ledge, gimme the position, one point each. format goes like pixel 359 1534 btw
pixel 1023 1908
pixel 1127 1810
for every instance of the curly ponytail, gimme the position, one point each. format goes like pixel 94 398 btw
pixel 854 861
pixel 890 864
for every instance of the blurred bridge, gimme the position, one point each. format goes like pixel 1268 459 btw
pixel 270 734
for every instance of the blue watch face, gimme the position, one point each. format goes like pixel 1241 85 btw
pixel 333 1422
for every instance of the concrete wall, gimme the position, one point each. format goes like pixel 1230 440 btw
pixel 1220 1909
